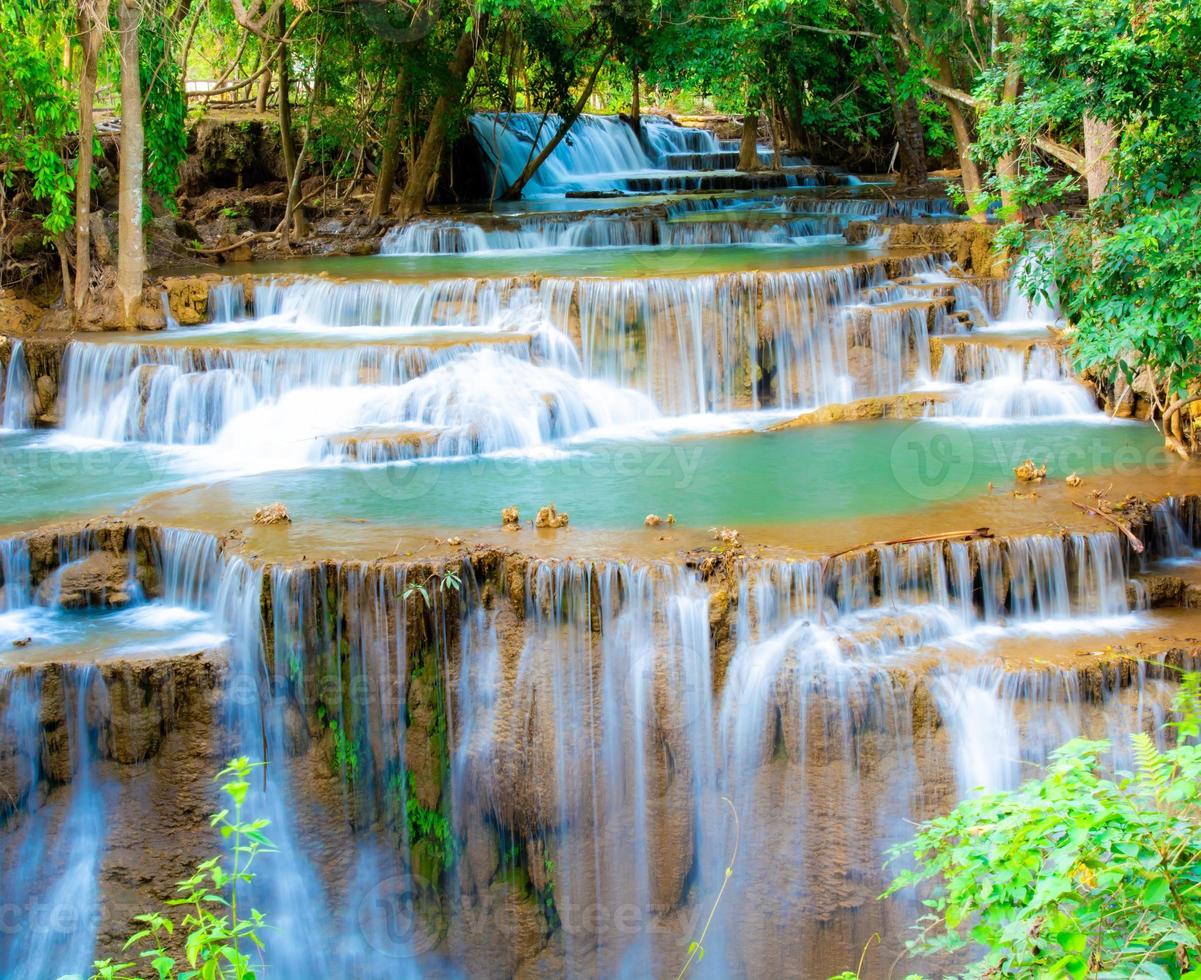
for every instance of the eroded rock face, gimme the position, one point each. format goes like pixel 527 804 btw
pixel 968 243
pixel 100 579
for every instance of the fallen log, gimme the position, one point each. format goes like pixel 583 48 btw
pixel 1135 543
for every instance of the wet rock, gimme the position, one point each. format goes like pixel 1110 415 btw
pixel 510 519
pixel 97 580
pixel 727 537
pixel 914 404
pixel 18 315
pixel 1163 590
pixel 1027 472
pixel 275 513
pixel 188 299
pixel 1073 480
pixel 549 517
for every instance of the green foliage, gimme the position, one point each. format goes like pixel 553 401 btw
pixel 1124 267
pixel 448 581
pixel 425 826
pixel 1134 295
pixel 163 104
pixel 37 112
pixel 346 750
pixel 221 942
pixel 1081 873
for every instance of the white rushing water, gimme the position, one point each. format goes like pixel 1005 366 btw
pixel 557 232
pixel 524 367
pixel 16 406
pixel 1000 384
pixel 52 848
pixel 604 153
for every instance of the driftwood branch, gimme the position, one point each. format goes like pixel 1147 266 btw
pixel 1135 543
pixel 970 535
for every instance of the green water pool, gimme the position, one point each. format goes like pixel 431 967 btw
pixel 808 474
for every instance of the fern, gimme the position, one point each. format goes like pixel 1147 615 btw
pixel 1154 769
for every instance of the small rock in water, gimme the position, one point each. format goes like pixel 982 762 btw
pixel 510 519
pixel 1073 481
pixel 652 520
pixel 454 542
pixel 549 517
pixel 275 513
pixel 1029 473
pixel 727 537
pixel 23 642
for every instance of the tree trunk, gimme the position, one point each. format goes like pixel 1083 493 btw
pixel 970 175
pixel 93 18
pixel 1099 140
pixel 636 102
pixel 260 101
pixel 1007 165
pixel 513 193
pixel 748 152
pixel 911 134
pixel 911 138
pixel 287 139
pixel 131 255
pixel 423 175
pixel 391 158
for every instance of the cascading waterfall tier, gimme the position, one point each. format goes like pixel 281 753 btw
pixel 572 725
pixel 552 361
pixel 1028 381
pixel 620 230
pixel 605 153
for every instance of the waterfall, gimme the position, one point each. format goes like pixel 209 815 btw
pixel 290 406
pixel 603 688
pixel 226 301
pixel 676 346
pixel 52 846
pixel 1019 308
pixel 618 230
pixel 17 591
pixel 16 410
pixel 1005 723
pixel 871 209
pixel 1174 535
pixel 599 151
pixel 1002 383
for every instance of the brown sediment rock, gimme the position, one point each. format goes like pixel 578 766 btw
pixel 510 519
pixel 188 298
pixel 18 315
pixel 98 579
pixel 914 404
pixel 1028 472
pixel 275 513
pixel 549 517
pixel 968 243
pixel 378 445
